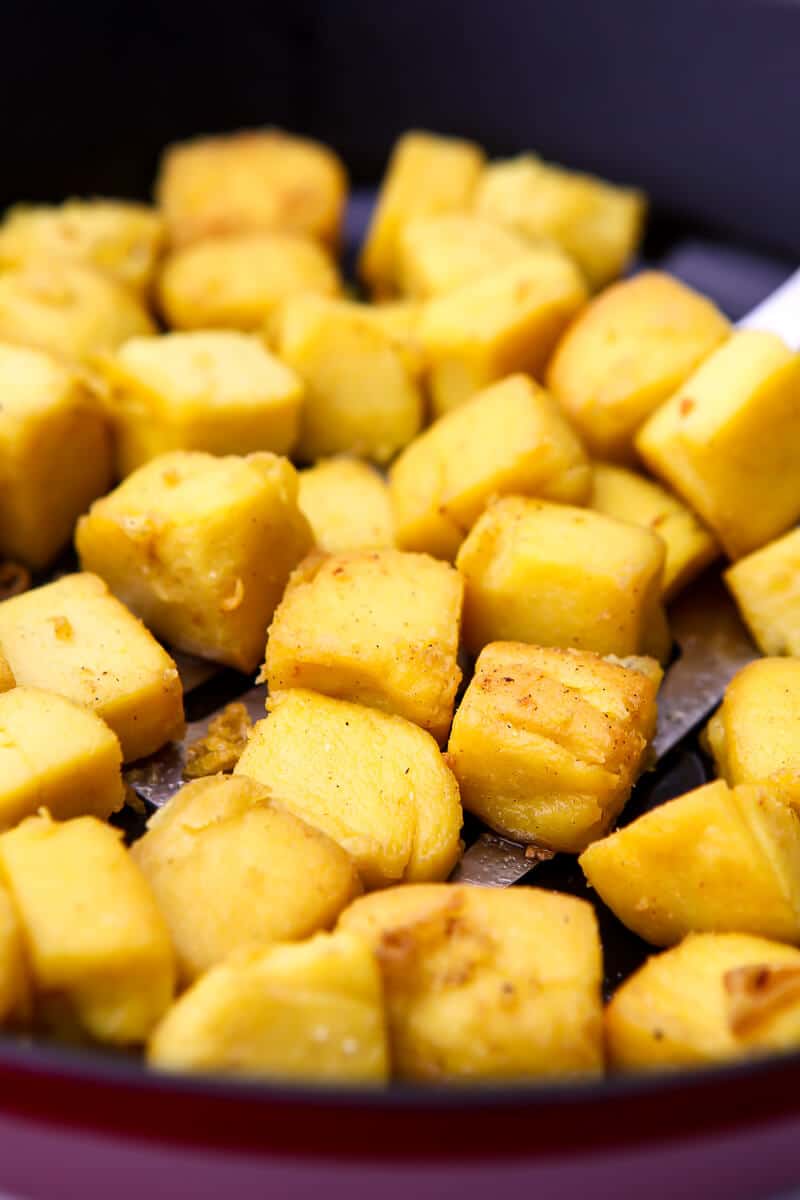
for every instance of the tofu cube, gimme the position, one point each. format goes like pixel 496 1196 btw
pixel 257 180
pixel 229 868
pixel 716 860
pixel 628 496
pixel 714 998
pixel 220 391
pixel 347 505
pixel 15 982
pixel 505 322
pixel 597 223
pixel 373 782
pixel 47 406
pixel 200 548
pixel 361 391
pixel 486 985
pixel 627 352
pixel 379 628
pixel 75 639
pixel 55 754
pixel 547 744
pixel 437 254
pixel 236 282
pixel 509 438
pixel 98 948
pixel 427 176
pixel 766 588
pixel 728 441
pixel 554 575
pixel 312 1011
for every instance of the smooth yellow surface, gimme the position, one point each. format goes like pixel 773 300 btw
pixel 627 352
pixel 554 575
pixel 547 744
pixel 200 548
pixel 74 638
pixel 379 628
pixel 228 867
pixel 437 254
pixel 98 947
pixel 766 588
pixel 347 505
pixel 56 754
pixel 255 180
pixel 486 985
pixel 728 441
pixel 716 860
pixel 375 783
pixel 55 453
pixel 15 982
pixel 509 438
pixel 312 1011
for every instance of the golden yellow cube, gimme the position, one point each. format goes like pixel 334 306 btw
pixel 347 505
pixel 312 1011
pixel 373 782
pixel 55 453
pixel 7 680
pixel 554 575
pixel 253 181
pixel 236 282
pixel 55 754
pixel 728 441
pixel 98 948
pixel 219 391
pixel 74 638
pixel 200 548
pixel 596 222
pixel 715 860
pixel 713 998
pixel 509 438
pixel 547 744
pixel 361 391
pixel 628 496
pixel 427 176
pixel 71 310
pixel 437 254
pixel 627 352
pixel 15 983
pixel 379 628
pixel 766 588
pixel 229 868
pixel 505 322
pixel 122 239
pixel 486 985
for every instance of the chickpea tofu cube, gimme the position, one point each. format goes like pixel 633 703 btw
pixel 361 391
pixel 628 496
pixel 228 868
pixel 437 254
pixel 56 754
pixel 15 982
pixel 258 180
pixel 728 441
pixel 597 223
pixel 554 575
pixel 627 352
pixel 509 438
pixel 310 1011
pixel 766 588
pixel 547 744
pixel 98 948
pixel 75 639
pixel 347 505
pixel 221 392
pixel 373 782
pixel 46 406
pixel 200 548
pixel 486 985
pixel 505 322
pixel 236 282
pixel 379 628
pixel 716 860
pixel 714 998
pixel 427 176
